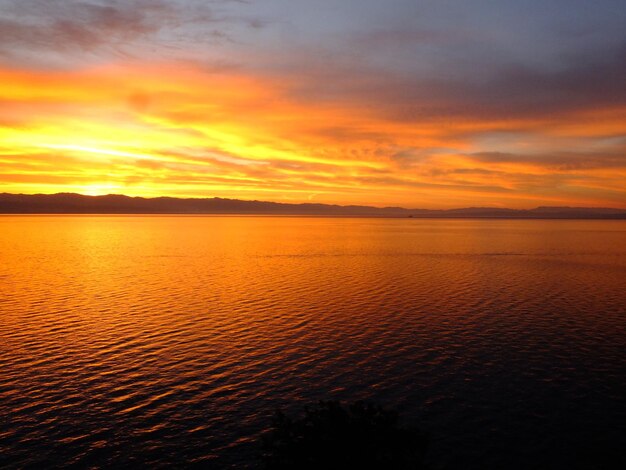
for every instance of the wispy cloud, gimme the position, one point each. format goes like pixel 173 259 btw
pixel 68 33
pixel 226 99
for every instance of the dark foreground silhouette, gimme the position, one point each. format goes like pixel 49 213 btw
pixel 333 436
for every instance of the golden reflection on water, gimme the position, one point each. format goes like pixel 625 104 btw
pixel 178 327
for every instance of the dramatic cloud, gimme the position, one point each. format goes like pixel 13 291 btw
pixel 413 104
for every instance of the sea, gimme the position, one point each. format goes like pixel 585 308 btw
pixel 170 341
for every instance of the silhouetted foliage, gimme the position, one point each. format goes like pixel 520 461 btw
pixel 332 436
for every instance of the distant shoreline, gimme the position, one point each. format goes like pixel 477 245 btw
pixel 302 216
pixel 77 204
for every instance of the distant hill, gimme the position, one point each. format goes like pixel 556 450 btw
pixel 67 203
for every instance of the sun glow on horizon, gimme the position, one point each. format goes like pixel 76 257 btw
pixel 285 124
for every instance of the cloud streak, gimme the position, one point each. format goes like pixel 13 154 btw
pixel 150 98
pixel 63 33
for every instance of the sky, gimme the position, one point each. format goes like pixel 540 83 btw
pixel 421 104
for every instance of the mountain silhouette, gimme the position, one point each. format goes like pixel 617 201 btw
pixel 69 203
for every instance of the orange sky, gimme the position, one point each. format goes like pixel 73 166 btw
pixel 324 132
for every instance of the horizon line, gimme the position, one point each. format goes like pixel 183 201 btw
pixel 329 205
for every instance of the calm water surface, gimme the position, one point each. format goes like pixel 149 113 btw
pixel 164 340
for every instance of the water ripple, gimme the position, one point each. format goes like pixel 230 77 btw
pixel 169 341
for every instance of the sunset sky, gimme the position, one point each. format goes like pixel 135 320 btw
pixel 423 104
